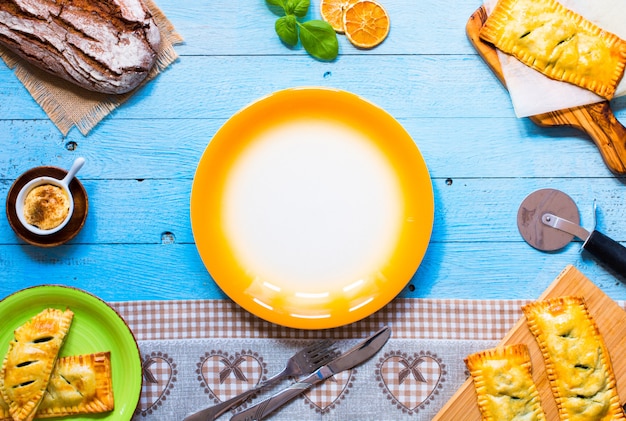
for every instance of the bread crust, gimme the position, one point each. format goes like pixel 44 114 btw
pixel 106 46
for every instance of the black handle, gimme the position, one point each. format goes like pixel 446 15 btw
pixel 608 251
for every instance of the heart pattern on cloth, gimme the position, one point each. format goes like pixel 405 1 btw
pixel 159 375
pixel 326 395
pixel 411 382
pixel 223 376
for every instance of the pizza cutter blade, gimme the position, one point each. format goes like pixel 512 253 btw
pixel 548 220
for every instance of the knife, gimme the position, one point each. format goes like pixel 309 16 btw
pixel 355 356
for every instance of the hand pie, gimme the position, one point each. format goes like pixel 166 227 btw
pixel 30 360
pixel 558 42
pixel 79 384
pixel 577 361
pixel 504 384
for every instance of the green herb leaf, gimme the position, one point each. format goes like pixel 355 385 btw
pixel 298 7
pixel 319 39
pixel 287 30
pixel 278 3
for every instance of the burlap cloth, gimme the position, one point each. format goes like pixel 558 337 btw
pixel 68 105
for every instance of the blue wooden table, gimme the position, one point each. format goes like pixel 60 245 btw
pixel 137 242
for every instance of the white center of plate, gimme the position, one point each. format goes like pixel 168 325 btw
pixel 312 204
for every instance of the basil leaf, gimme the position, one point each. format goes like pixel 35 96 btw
pixel 278 3
pixel 298 7
pixel 287 30
pixel 319 39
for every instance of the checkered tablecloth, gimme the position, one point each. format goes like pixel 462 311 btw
pixel 198 353
pixel 409 318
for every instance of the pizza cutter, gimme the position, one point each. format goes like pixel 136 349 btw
pixel 548 220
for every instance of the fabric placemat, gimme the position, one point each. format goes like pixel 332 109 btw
pixel 198 353
pixel 68 105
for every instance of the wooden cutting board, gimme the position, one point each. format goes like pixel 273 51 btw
pixel 596 120
pixel 611 321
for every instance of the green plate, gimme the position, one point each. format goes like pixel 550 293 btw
pixel 96 327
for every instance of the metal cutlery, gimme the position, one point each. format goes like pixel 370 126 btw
pixel 355 356
pixel 301 363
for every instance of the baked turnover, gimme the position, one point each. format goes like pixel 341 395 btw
pixel 504 384
pixel 30 360
pixel 80 384
pixel 577 361
pixel 558 42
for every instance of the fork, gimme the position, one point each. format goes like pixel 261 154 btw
pixel 305 361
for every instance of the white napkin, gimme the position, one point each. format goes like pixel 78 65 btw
pixel 533 93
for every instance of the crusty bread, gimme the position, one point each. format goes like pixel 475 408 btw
pixel 105 46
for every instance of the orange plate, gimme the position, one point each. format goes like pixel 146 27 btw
pixel 312 208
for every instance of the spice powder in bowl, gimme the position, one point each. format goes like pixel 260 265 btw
pixel 46 206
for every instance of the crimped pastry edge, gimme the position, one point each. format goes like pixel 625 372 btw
pixel 103 401
pixel 495 24
pixel 517 354
pixel 532 311
pixel 28 412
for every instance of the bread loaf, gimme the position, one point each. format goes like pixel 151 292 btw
pixel 105 46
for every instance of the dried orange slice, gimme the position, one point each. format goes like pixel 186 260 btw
pixel 366 23
pixel 332 12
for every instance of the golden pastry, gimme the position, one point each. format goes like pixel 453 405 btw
pixel 80 384
pixel 577 361
pixel 504 384
pixel 4 410
pixel 558 42
pixel 30 360
pixel 46 206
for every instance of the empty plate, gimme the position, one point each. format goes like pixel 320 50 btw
pixel 312 208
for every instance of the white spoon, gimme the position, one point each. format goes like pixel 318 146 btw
pixel 63 184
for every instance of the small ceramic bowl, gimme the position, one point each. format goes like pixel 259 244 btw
pixel 61 178
pixel 20 203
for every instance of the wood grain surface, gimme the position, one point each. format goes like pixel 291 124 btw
pixel 610 319
pixel 597 120
pixel 137 241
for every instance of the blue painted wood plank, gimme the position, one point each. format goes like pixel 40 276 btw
pixel 475 242
pixel 113 272
pixel 171 148
pixel 216 87
pixel 465 90
pixel 244 27
pixel 123 272
pixel 502 270
pixel 467 210
pixel 207 88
